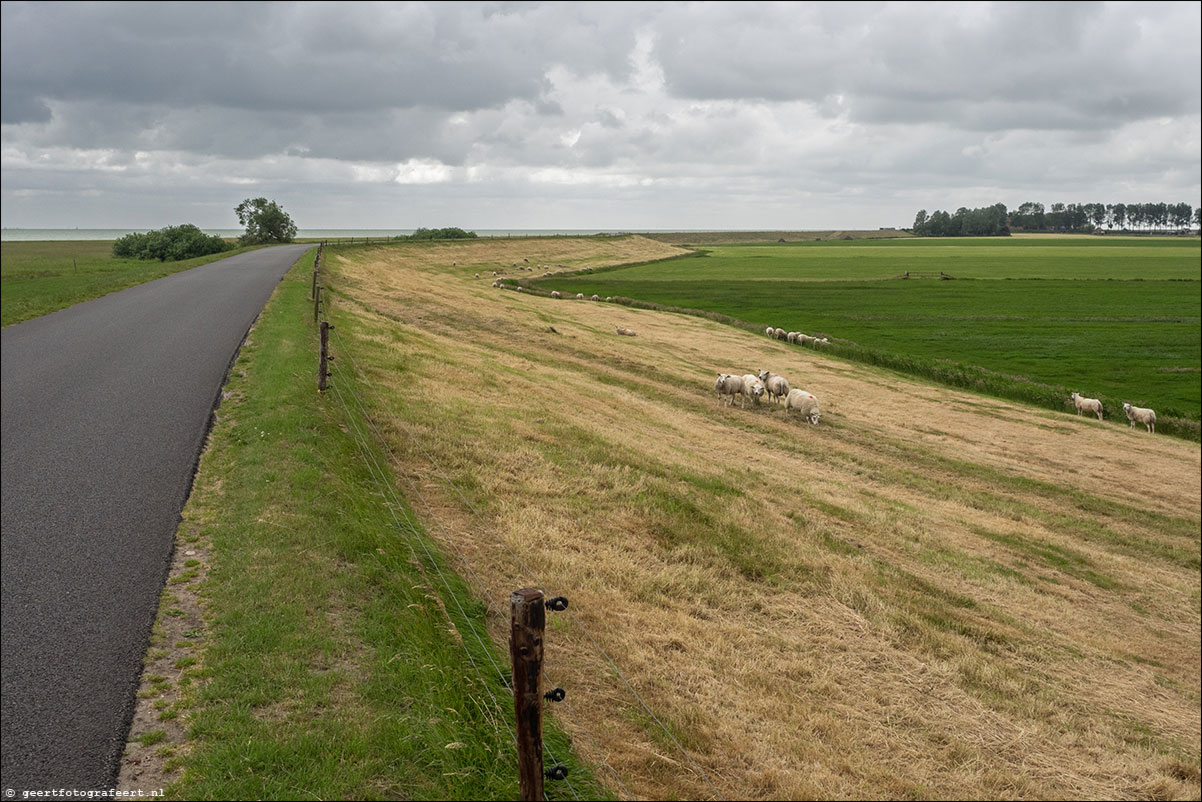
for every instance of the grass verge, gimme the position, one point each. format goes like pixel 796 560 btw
pixel 311 643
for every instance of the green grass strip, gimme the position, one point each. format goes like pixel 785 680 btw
pixel 330 669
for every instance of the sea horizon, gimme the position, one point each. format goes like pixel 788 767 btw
pixel 16 234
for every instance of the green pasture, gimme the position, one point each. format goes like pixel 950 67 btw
pixel 961 257
pixel 38 278
pixel 1057 315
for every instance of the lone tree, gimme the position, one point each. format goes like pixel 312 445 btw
pixel 265 222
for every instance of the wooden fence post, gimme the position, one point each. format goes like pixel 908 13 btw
pixel 323 370
pixel 527 618
pixel 316 301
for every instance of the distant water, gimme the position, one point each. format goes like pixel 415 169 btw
pixel 43 234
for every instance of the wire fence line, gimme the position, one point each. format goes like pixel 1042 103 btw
pixel 411 527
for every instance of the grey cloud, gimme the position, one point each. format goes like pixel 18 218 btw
pixel 1103 64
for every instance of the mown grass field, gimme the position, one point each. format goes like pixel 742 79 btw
pixel 1113 318
pixel 931 594
pixel 38 278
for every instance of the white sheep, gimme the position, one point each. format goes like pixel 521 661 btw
pixel 1084 404
pixel 805 404
pixel 477 275
pixel 625 332
pixel 780 334
pixel 771 332
pixel 595 298
pixel 580 296
pixel 729 386
pixel 1140 415
pixel 753 388
pixel 555 294
pixel 791 337
pixel 776 385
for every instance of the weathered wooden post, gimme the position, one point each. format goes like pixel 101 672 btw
pixel 528 618
pixel 322 370
pixel 316 301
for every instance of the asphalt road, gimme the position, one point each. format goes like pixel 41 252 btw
pixel 105 407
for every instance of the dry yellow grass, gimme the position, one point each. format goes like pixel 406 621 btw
pixel 931 594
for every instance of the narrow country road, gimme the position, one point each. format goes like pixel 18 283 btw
pixel 105 408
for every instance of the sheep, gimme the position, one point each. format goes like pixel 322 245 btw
pixel 780 334
pixel 805 339
pixel 477 275
pixel 776 386
pixel 555 294
pixel 791 337
pixel 729 386
pixel 580 296
pixel 753 388
pixel 1084 404
pixel 608 298
pixel 805 404
pixel 625 332
pixel 595 298
pixel 1140 415
pixel 771 332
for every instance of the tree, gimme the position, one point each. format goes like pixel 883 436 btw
pixel 265 222
pixel 170 244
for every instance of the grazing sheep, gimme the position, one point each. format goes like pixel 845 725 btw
pixel 1140 415
pixel 555 294
pixel 729 386
pixel 771 332
pixel 805 339
pixel 625 332
pixel 780 334
pixel 580 296
pixel 753 388
pixel 477 275
pixel 1084 404
pixel 791 337
pixel 805 404
pixel 595 298
pixel 775 384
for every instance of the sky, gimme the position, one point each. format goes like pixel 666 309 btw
pixel 611 116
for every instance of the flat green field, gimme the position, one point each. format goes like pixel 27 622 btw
pixel 1116 318
pixel 41 277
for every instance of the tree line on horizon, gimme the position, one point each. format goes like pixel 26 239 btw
pixel 996 221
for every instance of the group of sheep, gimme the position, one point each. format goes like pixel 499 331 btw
pixel 776 387
pixel 795 337
pixel 1134 414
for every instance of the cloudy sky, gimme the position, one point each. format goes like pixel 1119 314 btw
pixel 579 115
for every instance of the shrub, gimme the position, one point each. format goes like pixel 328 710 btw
pixel 170 244
pixel 439 233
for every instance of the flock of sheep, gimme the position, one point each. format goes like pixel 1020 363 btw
pixel 776 387
pixel 1134 414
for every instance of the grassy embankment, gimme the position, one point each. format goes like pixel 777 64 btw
pixel 42 277
pixel 308 646
pixel 931 594
pixel 1038 318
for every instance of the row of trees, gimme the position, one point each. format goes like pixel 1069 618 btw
pixel 992 221
pixel 1085 216
pixel 988 221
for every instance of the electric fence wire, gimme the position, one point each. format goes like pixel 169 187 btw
pixel 530 572
pixel 379 475
pixel 412 526
pixel 497 716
